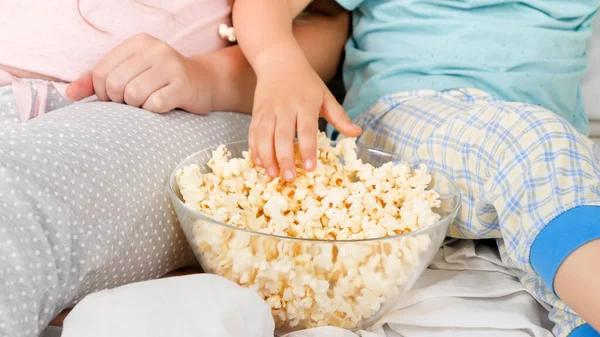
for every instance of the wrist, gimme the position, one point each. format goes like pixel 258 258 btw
pixel 278 54
pixel 230 77
pixel 203 80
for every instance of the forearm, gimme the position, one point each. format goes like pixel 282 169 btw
pixel 264 31
pixel 321 37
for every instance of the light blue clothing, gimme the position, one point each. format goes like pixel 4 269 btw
pixel 530 51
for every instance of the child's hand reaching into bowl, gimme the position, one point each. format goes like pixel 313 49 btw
pixel 289 95
pixel 289 98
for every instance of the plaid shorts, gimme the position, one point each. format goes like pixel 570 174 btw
pixel 518 166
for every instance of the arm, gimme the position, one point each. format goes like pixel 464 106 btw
pixel 321 35
pixel 264 31
pixel 231 81
pixel 289 95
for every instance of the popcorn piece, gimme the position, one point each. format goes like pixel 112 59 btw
pixel 275 205
pixel 231 35
pixel 226 32
pixel 309 284
pixel 223 30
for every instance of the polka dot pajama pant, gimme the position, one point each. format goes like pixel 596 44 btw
pixel 83 204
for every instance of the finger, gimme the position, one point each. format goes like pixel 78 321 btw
pixel 122 74
pixel 252 134
pixel 162 100
pixel 337 117
pixel 264 144
pixel 108 63
pixel 284 145
pixel 139 89
pixel 308 128
pixel 80 88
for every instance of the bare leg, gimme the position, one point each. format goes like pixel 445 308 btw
pixel 577 282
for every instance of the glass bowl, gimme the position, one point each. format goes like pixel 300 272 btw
pixel 307 282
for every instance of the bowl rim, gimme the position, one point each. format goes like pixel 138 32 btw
pixel 452 214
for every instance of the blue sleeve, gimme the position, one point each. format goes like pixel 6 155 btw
pixel 585 330
pixel 350 5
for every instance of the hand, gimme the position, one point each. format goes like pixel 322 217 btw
pixel 146 72
pixel 291 97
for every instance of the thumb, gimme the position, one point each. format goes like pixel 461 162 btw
pixel 337 117
pixel 81 88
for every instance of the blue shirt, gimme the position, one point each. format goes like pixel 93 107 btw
pixel 529 51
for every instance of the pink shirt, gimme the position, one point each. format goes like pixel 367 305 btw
pixel 49 37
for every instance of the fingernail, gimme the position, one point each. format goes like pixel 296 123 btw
pixel 257 161
pixel 271 171
pixel 288 175
pixel 308 164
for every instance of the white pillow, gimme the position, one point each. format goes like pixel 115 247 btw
pixel 185 306
pixel 590 86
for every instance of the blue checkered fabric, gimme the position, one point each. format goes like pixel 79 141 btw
pixel 518 167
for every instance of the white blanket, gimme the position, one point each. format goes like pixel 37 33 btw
pixel 466 292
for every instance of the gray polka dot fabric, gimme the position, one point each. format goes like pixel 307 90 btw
pixel 83 205
pixel 8 107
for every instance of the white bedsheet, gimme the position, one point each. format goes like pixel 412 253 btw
pixel 594 128
pixel 590 86
pixel 465 293
pixel 595 131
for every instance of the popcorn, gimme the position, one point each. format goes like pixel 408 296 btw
pixel 226 32
pixel 313 283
